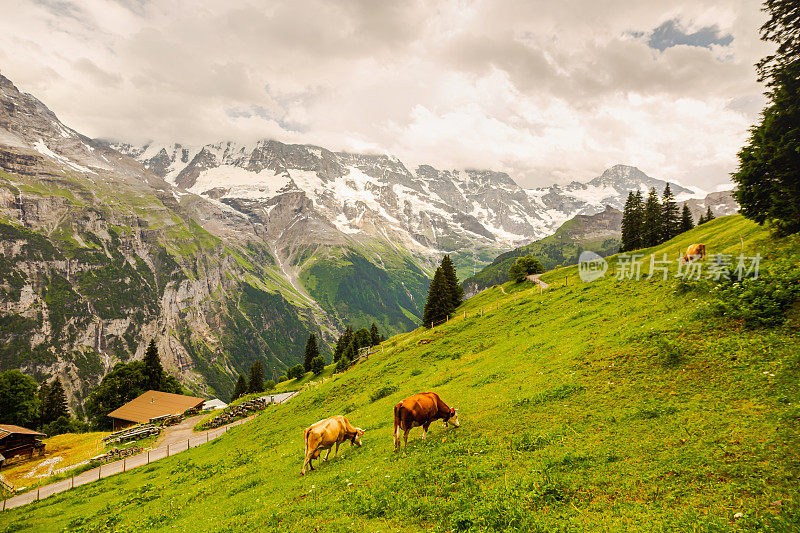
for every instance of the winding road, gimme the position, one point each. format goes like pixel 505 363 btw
pixel 535 278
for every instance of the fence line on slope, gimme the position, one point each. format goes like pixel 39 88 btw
pixel 117 467
pixel 464 315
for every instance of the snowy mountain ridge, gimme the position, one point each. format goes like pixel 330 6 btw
pixel 429 209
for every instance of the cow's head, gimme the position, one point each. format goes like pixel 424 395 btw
pixel 453 418
pixel 356 439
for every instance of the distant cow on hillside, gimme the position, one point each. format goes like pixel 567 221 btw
pixel 694 252
pixel 323 435
pixel 420 410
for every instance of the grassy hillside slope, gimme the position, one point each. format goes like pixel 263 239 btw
pixel 612 405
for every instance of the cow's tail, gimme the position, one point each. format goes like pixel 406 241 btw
pixel 305 440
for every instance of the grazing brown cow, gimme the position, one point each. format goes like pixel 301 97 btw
pixel 420 410
pixel 695 251
pixel 323 435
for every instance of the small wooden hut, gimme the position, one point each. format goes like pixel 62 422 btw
pixel 16 440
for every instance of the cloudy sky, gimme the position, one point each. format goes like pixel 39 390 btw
pixel 547 91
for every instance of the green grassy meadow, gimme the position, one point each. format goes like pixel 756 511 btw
pixel 613 405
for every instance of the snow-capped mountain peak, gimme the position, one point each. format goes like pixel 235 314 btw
pixel 430 208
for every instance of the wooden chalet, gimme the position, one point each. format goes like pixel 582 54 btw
pixel 16 440
pixel 152 406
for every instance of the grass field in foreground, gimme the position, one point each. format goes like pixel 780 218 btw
pixel 613 405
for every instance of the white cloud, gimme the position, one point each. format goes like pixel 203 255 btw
pixel 546 91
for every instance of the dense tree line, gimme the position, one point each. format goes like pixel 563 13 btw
pixel 649 222
pixel 351 341
pixel 444 294
pixel 768 178
pixel 44 407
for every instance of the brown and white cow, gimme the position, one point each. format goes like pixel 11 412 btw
pixel 694 252
pixel 323 435
pixel 420 410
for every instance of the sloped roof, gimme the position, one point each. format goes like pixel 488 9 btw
pixel 216 403
pixel 153 404
pixel 8 429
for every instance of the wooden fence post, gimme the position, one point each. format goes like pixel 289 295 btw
pixel 168 450
pixel 206 437
pixel 148 456
pixel 72 485
pixel 37 491
pixel 99 471
pixel 187 444
pixel 124 464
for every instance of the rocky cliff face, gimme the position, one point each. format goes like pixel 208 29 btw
pixel 98 255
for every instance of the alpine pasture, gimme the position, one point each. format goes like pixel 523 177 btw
pixel 612 405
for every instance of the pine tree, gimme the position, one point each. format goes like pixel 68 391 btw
pixel 709 215
pixel 256 383
pixel 670 215
pixel 638 219
pixel 652 220
pixel 768 179
pixel 44 392
pixel 687 222
pixel 56 402
pixel 342 342
pixel 632 222
pixel 701 220
pixel 241 387
pixel 440 303
pixel 454 290
pixel 312 351
pixel 153 370
pixel 350 350
pixel 373 332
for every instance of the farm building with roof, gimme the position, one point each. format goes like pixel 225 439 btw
pixel 153 405
pixel 16 440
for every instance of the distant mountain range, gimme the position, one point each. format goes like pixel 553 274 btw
pixel 226 253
